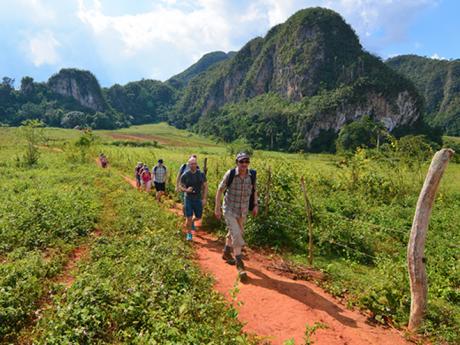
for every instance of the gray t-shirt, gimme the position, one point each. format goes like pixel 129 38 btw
pixel 194 180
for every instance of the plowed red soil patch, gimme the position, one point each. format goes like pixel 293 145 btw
pixel 147 137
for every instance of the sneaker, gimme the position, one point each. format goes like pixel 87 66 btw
pixel 228 258
pixel 189 237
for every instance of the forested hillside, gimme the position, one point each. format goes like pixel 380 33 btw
pixel 439 82
pixel 297 87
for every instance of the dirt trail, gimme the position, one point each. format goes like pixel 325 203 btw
pixel 277 308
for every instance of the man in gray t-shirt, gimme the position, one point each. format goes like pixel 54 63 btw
pixel 193 183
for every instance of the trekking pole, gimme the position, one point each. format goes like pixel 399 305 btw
pixel 308 210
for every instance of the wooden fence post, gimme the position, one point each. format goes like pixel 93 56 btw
pixel 205 167
pixel 416 245
pixel 309 211
pixel 267 195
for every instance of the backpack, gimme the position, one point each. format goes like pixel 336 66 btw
pixel 182 169
pixel 253 175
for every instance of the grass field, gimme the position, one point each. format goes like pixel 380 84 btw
pixel 363 209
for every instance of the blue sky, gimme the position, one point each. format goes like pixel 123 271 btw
pixel 123 40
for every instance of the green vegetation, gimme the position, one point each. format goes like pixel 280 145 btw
pixel 144 101
pixel 138 283
pixel 70 98
pixel 182 79
pixel 439 82
pixel 363 208
pixel 45 212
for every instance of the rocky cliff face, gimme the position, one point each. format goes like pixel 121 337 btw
pixel 79 85
pixel 404 113
pixel 313 52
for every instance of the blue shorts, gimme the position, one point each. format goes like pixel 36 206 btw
pixel 193 206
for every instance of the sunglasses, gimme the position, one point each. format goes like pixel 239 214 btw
pixel 244 161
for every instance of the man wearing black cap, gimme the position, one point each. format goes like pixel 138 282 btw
pixel 240 196
pixel 160 176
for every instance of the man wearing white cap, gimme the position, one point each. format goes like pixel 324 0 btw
pixel 240 196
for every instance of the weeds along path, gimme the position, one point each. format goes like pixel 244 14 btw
pixel 277 308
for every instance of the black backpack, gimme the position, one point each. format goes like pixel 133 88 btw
pixel 253 175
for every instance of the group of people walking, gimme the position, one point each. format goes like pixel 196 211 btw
pixel 159 176
pixel 236 196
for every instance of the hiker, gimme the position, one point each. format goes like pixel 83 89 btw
pixel 193 183
pixel 184 168
pixel 137 174
pixel 160 176
pixel 103 160
pixel 146 178
pixel 240 196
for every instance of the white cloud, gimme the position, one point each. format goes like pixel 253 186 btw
pixel 42 49
pixel 36 10
pixel 437 57
pixel 197 31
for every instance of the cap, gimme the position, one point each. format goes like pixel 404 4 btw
pixel 160 161
pixel 242 155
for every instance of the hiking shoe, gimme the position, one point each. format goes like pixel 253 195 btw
pixel 227 256
pixel 240 268
pixel 189 237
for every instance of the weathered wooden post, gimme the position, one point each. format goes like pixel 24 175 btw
pixel 267 194
pixel 205 167
pixel 309 211
pixel 416 246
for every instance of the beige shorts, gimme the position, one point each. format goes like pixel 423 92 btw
pixel 235 227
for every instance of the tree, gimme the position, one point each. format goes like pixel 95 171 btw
pixel 361 133
pixel 73 119
pixel 32 132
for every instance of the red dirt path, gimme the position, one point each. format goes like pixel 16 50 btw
pixel 277 308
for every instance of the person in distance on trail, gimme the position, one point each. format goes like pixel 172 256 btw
pixel 146 178
pixel 240 196
pixel 193 183
pixel 137 174
pixel 160 176
pixel 103 160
